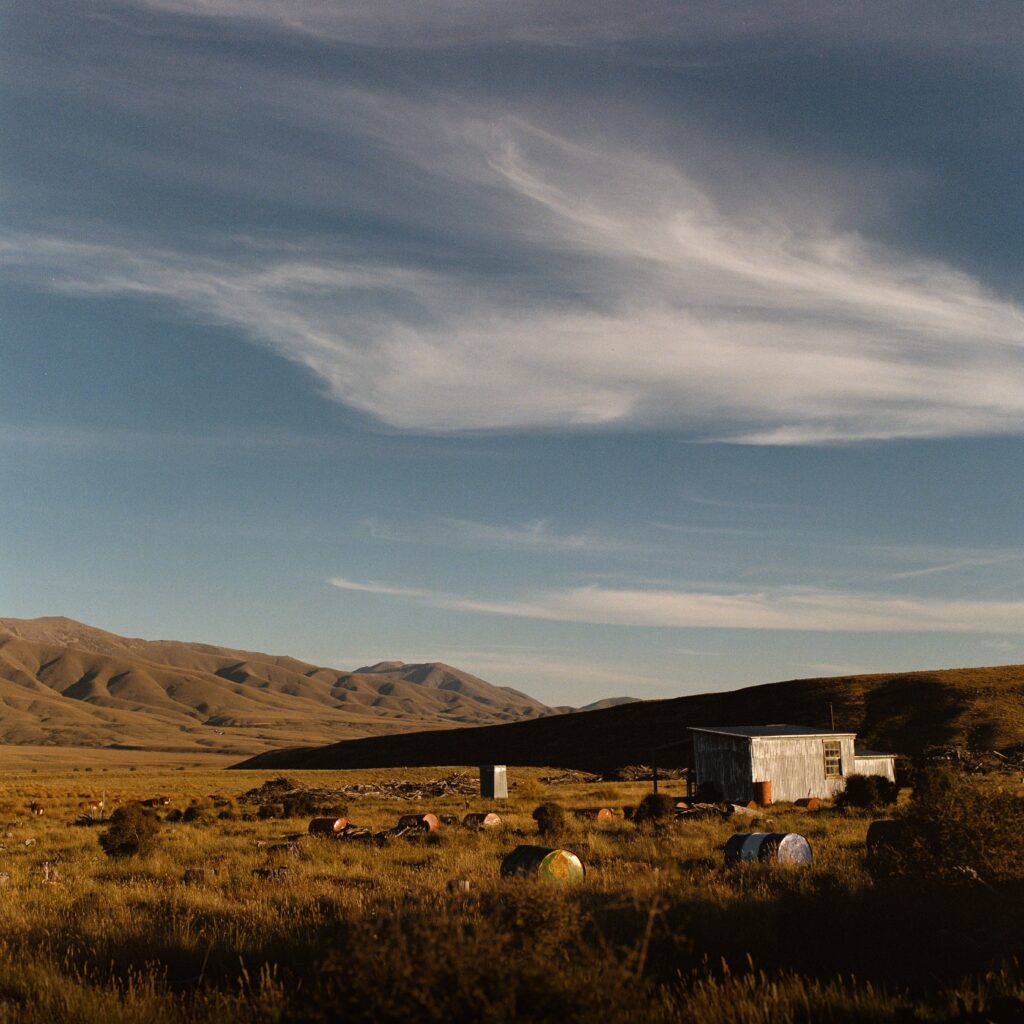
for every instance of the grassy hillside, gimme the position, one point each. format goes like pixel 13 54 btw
pixel 63 683
pixel 899 712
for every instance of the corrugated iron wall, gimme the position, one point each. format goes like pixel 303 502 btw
pixel 884 766
pixel 724 760
pixel 796 765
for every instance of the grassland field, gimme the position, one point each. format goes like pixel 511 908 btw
pixel 661 929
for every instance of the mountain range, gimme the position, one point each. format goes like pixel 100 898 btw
pixel 63 683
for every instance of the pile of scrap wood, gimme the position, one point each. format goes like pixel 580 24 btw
pixel 1009 761
pixel 280 790
pixel 569 778
pixel 642 773
pixel 695 810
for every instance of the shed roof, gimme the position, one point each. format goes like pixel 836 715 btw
pixel 767 730
pixel 864 752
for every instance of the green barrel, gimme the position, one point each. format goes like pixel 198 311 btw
pixel 543 862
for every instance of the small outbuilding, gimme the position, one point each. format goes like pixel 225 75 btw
pixel 780 762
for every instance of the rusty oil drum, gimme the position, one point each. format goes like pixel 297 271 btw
pixel 773 847
pixel 327 826
pixel 481 819
pixel 544 863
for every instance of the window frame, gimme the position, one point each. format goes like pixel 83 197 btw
pixel 832 755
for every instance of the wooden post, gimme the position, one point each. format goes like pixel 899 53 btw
pixel 654 777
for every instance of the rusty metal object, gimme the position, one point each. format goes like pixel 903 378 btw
pixel 763 793
pixel 809 803
pixel 481 820
pixel 764 847
pixel 424 822
pixel 327 826
pixel 543 863
pixel 597 813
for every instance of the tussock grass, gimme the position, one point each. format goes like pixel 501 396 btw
pixel 660 930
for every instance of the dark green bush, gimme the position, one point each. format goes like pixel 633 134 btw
pixel 957 830
pixel 550 818
pixel 198 813
pixel 133 832
pixel 655 807
pixel 867 791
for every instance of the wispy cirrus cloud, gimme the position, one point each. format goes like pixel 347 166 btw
pixel 522 269
pixel 783 608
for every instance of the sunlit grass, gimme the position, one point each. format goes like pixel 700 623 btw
pixel 661 929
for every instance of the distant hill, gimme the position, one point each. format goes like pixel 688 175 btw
pixel 64 683
pixel 897 712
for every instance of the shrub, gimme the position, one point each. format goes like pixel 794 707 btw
pixel 655 807
pixel 867 791
pixel 132 833
pixel 267 811
pixel 304 805
pixel 955 830
pixel 197 814
pixel 550 818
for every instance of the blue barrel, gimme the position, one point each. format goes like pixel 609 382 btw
pixel 768 847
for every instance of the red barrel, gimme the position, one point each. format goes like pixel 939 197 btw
pixel 763 793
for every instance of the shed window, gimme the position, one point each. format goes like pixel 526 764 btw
pixel 833 759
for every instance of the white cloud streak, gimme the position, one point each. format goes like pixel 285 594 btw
pixel 783 608
pixel 756 320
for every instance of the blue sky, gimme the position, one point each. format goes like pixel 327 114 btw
pixel 594 350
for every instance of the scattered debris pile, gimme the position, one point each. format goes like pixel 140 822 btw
pixel 1009 761
pixel 642 773
pixel 570 778
pixel 282 790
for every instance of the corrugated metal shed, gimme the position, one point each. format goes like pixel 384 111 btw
pixel 800 761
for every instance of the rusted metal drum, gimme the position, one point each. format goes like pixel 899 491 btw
pixel 763 793
pixel 774 847
pixel 327 826
pixel 428 822
pixel 481 820
pixel 809 803
pixel 544 863
pixel 596 813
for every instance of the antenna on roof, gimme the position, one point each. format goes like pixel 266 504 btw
pixel 832 716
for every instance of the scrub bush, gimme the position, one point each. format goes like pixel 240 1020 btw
pixel 133 832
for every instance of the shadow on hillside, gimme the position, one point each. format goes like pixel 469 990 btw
pixel 909 713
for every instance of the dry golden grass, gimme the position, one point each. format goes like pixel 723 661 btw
pixel 660 930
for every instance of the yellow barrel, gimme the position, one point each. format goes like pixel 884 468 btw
pixel 544 863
